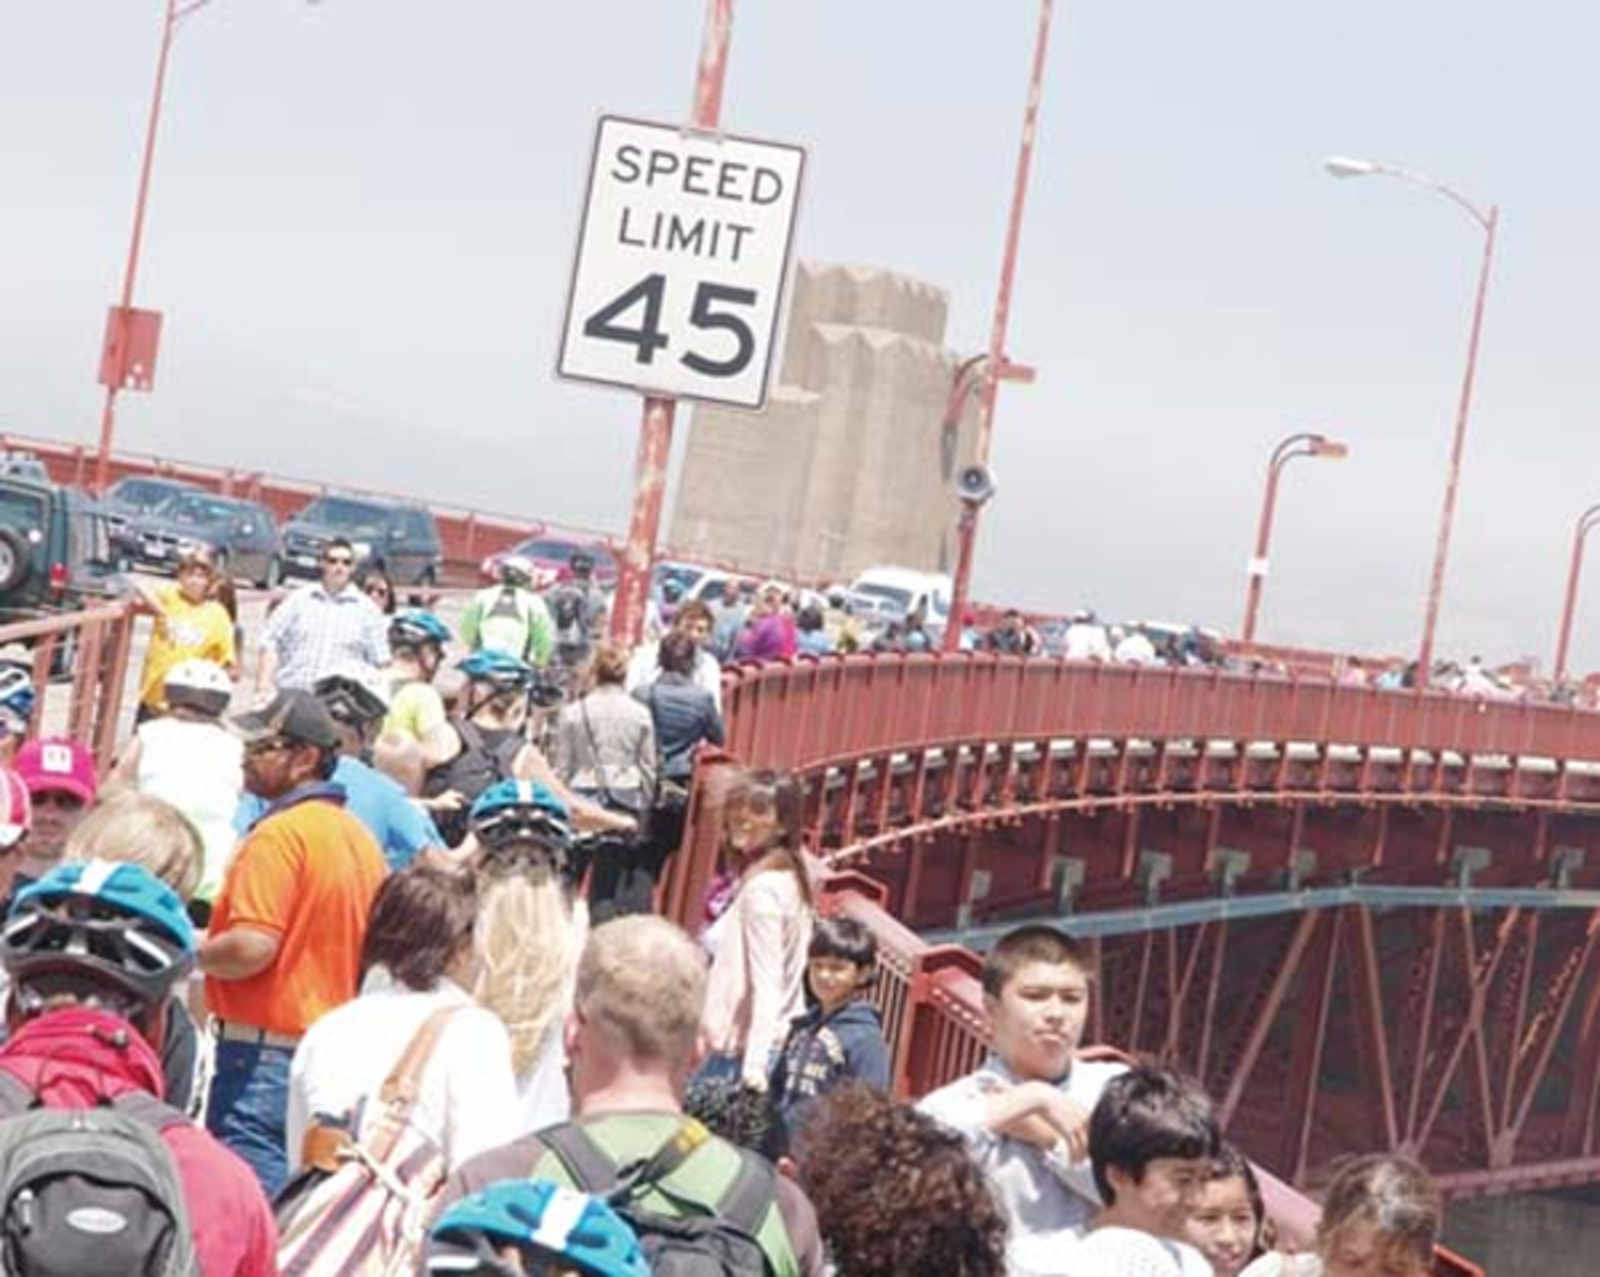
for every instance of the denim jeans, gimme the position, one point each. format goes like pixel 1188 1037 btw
pixel 248 1106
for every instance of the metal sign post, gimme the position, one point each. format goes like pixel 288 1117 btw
pixel 676 287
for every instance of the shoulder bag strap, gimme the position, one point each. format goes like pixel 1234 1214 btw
pixel 398 1094
pixel 15 1095
pixel 584 1160
pixel 594 748
pixel 753 1191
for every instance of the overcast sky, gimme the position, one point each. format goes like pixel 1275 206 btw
pixel 363 212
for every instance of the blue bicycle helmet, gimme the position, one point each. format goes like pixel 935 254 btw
pixel 543 1221
pixel 17 692
pixel 502 672
pixel 113 922
pixel 512 807
pixel 414 627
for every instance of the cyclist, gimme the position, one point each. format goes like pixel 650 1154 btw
pixel 578 608
pixel 510 617
pixel 534 1228
pixel 416 641
pixel 488 743
pixel 94 950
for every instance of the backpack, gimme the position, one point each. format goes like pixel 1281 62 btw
pixel 90 1192
pixel 364 1210
pixel 469 773
pixel 703 1241
pixel 506 625
pixel 567 613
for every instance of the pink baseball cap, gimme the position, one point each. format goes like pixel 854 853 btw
pixel 56 763
pixel 16 808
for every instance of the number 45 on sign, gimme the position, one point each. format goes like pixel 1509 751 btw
pixel 681 261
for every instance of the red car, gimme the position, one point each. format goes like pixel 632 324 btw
pixel 551 557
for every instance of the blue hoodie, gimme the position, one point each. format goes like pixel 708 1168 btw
pixel 824 1052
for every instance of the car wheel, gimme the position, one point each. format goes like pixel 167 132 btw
pixel 272 574
pixel 14 559
pixel 219 561
pixel 429 577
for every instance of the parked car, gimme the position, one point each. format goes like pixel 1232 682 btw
pixel 55 554
pixel 241 536
pixel 551 556
pixel 133 498
pixel 401 540
pixel 25 465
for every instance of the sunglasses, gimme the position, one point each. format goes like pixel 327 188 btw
pixel 338 560
pixel 60 799
pixel 270 745
pixel 378 588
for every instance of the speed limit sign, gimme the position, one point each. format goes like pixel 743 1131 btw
pixel 681 261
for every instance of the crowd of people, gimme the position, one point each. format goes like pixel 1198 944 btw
pixel 366 978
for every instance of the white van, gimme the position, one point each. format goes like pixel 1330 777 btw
pixel 892 594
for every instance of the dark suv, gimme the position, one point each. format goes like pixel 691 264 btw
pixel 401 540
pixel 55 554
pixel 241 536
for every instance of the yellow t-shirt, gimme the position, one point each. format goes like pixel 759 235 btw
pixel 184 631
pixel 415 710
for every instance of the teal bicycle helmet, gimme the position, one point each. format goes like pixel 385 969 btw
pixel 414 627
pixel 500 671
pixel 112 922
pixel 551 1228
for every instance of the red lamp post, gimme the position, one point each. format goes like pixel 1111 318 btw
pixel 1487 221
pixel 996 360
pixel 655 427
pixel 1586 520
pixel 128 357
pixel 1299 445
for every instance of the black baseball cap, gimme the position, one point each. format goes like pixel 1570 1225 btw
pixel 295 715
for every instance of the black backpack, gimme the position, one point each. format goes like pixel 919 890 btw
pixel 702 1241
pixel 90 1192
pixel 469 773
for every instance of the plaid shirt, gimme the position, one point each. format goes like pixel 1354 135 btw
pixel 314 633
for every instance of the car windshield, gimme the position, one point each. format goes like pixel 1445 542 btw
pixel 337 512
pixel 193 508
pixel 886 597
pixel 142 494
pixel 679 575
pixel 20 508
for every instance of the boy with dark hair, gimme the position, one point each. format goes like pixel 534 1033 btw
pixel 1025 1112
pixel 840 1037
pixel 1152 1139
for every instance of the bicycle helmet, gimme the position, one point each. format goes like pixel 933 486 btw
pixel 414 627
pixel 510 808
pixel 109 921
pixel 354 694
pixel 201 685
pixel 543 1221
pixel 503 672
pixel 17 692
pixel 516 569
pixel 580 561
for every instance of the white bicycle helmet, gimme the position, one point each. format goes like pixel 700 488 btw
pixel 198 684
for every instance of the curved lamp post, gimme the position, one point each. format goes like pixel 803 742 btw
pixel 1306 444
pixel 1342 166
pixel 1586 520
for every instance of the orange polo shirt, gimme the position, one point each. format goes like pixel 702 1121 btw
pixel 307 874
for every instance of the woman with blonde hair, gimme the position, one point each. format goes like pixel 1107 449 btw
pixel 141 829
pixel 528 936
pixel 757 980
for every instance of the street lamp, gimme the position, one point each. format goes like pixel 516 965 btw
pixel 1586 520
pixel 1343 166
pixel 1299 445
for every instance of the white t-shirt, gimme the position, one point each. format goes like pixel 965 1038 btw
pixel 466 1098
pixel 199 769
pixel 1127 1252
pixel 1135 649
pixel 1272 1264
pixel 1047 1201
pixel 644 667
pixel 1086 641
